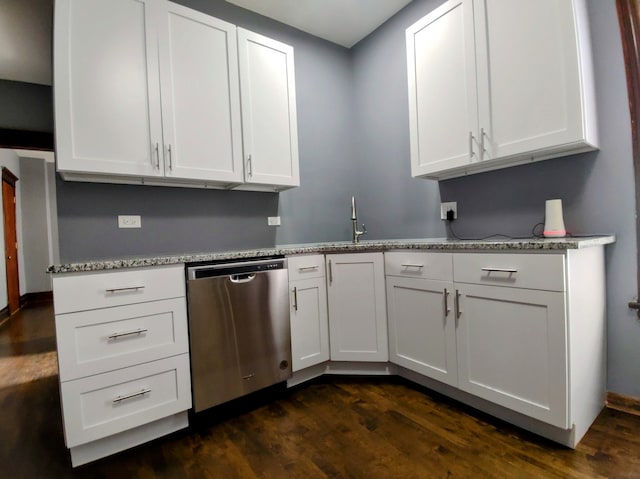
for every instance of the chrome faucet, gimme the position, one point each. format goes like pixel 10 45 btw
pixel 354 222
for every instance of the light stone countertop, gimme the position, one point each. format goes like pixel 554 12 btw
pixel 433 244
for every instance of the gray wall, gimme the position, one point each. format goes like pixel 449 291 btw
pixel 597 188
pixel 176 220
pixel 26 106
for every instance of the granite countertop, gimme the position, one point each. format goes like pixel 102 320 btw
pixel 435 244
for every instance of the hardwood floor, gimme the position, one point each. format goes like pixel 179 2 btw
pixel 331 428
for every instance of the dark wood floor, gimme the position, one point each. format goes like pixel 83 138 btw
pixel 334 428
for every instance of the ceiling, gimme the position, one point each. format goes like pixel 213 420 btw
pixel 344 22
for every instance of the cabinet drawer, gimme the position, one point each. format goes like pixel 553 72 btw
pixel 106 404
pixel 84 291
pixel 93 342
pixel 532 271
pixel 308 266
pixel 437 266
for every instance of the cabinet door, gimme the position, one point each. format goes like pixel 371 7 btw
pixel 200 96
pixel 107 96
pixel 270 132
pixel 357 307
pixel 442 89
pixel 422 327
pixel 309 323
pixel 530 88
pixel 512 349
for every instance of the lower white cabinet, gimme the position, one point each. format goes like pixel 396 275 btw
pixel 512 349
pixel 357 307
pixel 522 331
pixel 123 357
pixel 308 311
pixel 422 327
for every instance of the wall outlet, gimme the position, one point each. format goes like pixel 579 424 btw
pixel 444 207
pixel 273 221
pixel 129 221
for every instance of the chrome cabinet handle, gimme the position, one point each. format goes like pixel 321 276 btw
pixel 330 273
pixel 308 268
pixel 295 298
pixel 457 305
pixel 483 150
pixel 408 265
pixel 170 158
pixel 124 290
pixel 249 166
pixel 446 303
pixel 142 392
pixel 157 165
pixel 128 333
pixel 500 270
pixel 471 152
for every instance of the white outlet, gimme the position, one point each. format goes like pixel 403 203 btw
pixel 129 221
pixel 444 207
pixel 273 221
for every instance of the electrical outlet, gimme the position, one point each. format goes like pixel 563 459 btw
pixel 451 206
pixel 273 221
pixel 129 221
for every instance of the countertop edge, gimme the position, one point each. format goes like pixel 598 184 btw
pixel 532 244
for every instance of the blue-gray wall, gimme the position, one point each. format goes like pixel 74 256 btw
pixel 597 188
pixel 353 128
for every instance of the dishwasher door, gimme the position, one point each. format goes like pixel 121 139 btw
pixel 238 329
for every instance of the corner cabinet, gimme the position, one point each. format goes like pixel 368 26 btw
pixel 357 307
pixel 309 318
pixel 148 91
pixel 496 83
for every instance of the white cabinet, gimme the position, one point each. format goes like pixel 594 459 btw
pixel 309 319
pixel 148 91
pixel 357 307
pixel 525 331
pixel 269 119
pixel 122 342
pixel 495 83
pixel 422 326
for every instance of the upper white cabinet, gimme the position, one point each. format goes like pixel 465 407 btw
pixel 357 307
pixel 202 137
pixel 107 93
pixel 269 120
pixel 148 91
pixel 494 83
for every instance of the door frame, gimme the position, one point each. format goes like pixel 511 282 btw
pixel 11 229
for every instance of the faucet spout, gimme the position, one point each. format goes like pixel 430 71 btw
pixel 354 223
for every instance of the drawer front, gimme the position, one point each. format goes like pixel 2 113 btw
pixel 438 266
pixel 106 404
pixel 84 291
pixel 304 267
pixel 97 341
pixel 531 271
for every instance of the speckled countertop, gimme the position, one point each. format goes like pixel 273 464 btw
pixel 436 244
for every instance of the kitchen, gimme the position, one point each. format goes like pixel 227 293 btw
pixel 353 139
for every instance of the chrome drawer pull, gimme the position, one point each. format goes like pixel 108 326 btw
pixel 295 298
pixel 308 268
pixel 412 265
pixel 446 303
pixel 457 305
pixel 128 333
pixel 124 290
pixel 500 270
pixel 142 392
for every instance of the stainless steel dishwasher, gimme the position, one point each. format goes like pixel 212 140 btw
pixel 238 328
